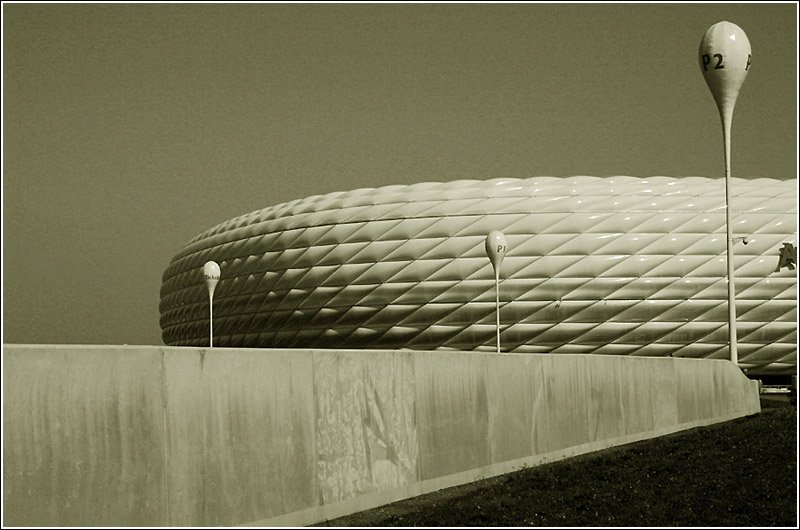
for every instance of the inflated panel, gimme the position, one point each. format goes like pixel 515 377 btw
pixel 616 265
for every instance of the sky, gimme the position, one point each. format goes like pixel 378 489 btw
pixel 128 129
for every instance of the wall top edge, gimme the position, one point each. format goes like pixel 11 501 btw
pixel 299 351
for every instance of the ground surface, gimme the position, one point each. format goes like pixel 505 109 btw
pixel 739 473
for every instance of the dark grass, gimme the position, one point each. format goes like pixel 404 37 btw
pixel 738 473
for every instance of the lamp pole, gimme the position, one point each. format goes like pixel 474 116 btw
pixel 211 274
pixel 496 247
pixel 725 57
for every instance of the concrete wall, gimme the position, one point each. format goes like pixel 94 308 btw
pixel 147 436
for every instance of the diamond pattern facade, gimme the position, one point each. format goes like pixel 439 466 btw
pixel 616 265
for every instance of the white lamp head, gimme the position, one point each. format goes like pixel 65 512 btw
pixel 496 247
pixel 725 60
pixel 211 274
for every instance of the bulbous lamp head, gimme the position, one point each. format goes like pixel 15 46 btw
pixel 725 60
pixel 211 274
pixel 496 247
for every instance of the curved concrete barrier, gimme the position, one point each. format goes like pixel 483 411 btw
pixel 149 436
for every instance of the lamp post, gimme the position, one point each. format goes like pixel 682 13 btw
pixel 496 247
pixel 211 274
pixel 725 60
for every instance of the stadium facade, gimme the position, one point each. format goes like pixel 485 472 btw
pixel 612 265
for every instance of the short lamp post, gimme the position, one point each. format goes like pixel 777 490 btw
pixel 211 274
pixel 496 247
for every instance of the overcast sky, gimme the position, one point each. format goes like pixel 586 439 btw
pixel 129 129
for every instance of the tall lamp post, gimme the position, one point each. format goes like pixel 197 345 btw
pixel 211 274
pixel 496 247
pixel 725 60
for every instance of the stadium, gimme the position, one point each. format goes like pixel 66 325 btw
pixel 596 265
